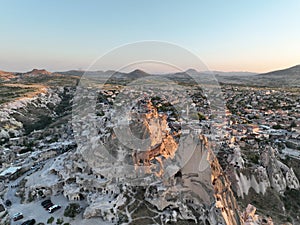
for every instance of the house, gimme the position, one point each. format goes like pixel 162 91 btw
pixel 9 172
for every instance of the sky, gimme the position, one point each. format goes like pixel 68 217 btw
pixel 256 36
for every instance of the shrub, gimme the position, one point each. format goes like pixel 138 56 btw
pixel 50 220
pixel 59 221
pixel 71 210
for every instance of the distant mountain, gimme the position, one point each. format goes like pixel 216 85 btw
pixel 137 74
pixel 72 72
pixel 292 71
pixel 233 73
pixel 289 77
pixel 134 74
pixel 38 72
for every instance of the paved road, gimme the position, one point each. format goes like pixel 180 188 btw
pixel 10 194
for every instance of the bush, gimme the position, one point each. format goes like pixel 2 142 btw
pixel 59 221
pixel 50 220
pixel 72 210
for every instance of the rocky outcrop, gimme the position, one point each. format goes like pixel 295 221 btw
pixel 280 175
pixel 38 72
pixel 162 144
pixel 225 200
pixel 21 115
pixel 271 173
pixel 186 180
pixel 250 217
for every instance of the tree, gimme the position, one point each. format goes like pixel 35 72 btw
pixel 50 220
pixel 72 210
pixel 59 220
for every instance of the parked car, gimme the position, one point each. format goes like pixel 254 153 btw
pixel 29 222
pixel 48 205
pixel 54 208
pixel 45 202
pixel 18 216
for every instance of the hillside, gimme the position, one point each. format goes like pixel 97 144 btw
pixel 289 77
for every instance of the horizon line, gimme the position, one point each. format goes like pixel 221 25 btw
pixel 145 70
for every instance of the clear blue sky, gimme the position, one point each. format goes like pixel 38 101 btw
pixel 227 35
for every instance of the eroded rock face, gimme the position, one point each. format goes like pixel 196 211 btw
pixel 247 178
pixel 170 180
pixel 20 115
pixel 250 217
pixel 271 173
pixel 162 143
pixel 281 176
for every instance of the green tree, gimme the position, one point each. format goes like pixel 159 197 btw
pixel 50 220
pixel 59 220
pixel 71 210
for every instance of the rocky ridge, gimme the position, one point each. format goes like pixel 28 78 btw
pixel 199 191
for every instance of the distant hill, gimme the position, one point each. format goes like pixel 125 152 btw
pixel 38 72
pixel 39 76
pixel 134 74
pixel 137 74
pixel 72 72
pixel 233 73
pixel 282 78
pixel 5 76
pixel 289 77
pixel 292 71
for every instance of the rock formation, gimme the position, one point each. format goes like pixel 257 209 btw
pixel 175 180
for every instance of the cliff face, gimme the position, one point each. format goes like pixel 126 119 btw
pixel 216 187
pixel 225 200
pixel 201 181
pixel 199 188
pixel 268 181
pixel 280 175
pixel 162 144
pixel 21 115
pixel 187 182
pixel 271 173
